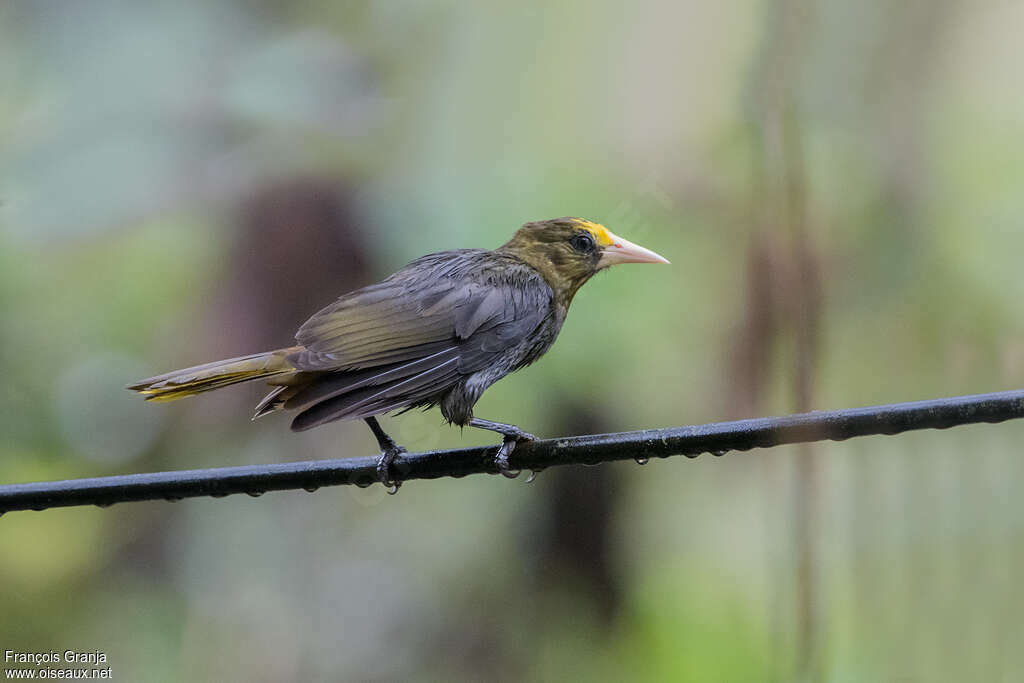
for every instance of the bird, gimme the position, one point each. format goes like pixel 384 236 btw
pixel 436 333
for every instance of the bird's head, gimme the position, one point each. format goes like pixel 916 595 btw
pixel 569 251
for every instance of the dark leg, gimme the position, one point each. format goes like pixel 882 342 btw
pixel 512 435
pixel 389 450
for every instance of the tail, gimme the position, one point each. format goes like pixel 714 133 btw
pixel 222 373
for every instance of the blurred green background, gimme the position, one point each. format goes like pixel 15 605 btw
pixel 840 188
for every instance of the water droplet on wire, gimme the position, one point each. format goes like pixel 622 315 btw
pixel 312 488
pixel 642 460
pixel 533 475
pixel 393 489
pixel 255 493
pixel 719 453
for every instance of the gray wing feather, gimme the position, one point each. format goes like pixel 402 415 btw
pixel 344 382
pixel 374 400
pixel 409 339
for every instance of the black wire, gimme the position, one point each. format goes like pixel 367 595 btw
pixel 717 438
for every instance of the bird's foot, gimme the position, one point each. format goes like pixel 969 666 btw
pixel 508 444
pixel 389 450
pixel 387 457
pixel 512 436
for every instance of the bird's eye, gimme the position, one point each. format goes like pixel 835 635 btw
pixel 582 242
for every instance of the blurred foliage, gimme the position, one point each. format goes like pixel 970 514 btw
pixel 131 133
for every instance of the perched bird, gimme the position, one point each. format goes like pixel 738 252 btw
pixel 436 333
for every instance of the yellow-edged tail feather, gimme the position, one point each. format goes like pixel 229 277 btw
pixel 195 380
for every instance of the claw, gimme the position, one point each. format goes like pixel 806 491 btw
pixel 511 435
pixel 511 439
pixel 384 465
pixel 508 444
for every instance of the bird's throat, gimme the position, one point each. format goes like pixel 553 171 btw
pixel 564 282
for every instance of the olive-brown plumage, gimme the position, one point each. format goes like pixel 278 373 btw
pixel 438 332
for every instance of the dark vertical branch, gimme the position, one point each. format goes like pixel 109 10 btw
pixel 296 246
pixel 578 539
pixel 806 300
pixel 784 285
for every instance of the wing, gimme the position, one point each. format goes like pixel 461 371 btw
pixel 412 337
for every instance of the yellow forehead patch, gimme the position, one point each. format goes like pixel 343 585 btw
pixel 600 233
